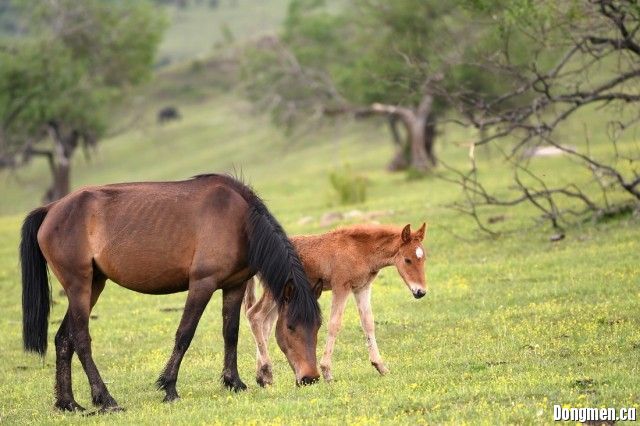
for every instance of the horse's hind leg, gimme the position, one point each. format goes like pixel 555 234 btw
pixel 81 299
pixel 231 305
pixel 64 353
pixel 200 292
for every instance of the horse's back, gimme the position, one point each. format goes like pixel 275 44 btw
pixel 146 236
pixel 339 257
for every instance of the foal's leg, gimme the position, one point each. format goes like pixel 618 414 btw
pixel 259 316
pixel 231 305
pixel 81 298
pixel 64 353
pixel 198 297
pixel 266 370
pixel 363 301
pixel 338 302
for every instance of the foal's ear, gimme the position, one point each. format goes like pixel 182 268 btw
pixel 421 232
pixel 288 291
pixel 317 288
pixel 406 233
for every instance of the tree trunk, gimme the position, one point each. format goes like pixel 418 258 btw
pixel 60 167
pixel 402 157
pixel 416 128
pixel 60 163
pixel 430 132
pixel 416 150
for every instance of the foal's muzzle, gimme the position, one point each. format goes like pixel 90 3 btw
pixel 307 380
pixel 419 293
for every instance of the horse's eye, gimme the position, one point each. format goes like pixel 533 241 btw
pixel 290 327
pixel 407 260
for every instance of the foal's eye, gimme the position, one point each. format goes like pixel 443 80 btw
pixel 290 327
pixel 407 260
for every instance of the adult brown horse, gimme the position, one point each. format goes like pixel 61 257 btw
pixel 200 235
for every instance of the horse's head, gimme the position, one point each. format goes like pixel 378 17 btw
pixel 297 335
pixel 410 260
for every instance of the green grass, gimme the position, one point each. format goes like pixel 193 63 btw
pixel 512 325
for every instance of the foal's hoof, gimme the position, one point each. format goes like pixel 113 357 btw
pixel 382 369
pixel 326 373
pixel 264 376
pixel 233 383
pixel 263 381
pixel 69 406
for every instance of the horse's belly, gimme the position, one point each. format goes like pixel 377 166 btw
pixel 146 271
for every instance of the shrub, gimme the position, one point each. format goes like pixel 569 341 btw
pixel 350 187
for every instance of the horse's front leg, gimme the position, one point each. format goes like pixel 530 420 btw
pixel 363 301
pixel 198 297
pixel 231 304
pixel 261 317
pixel 338 302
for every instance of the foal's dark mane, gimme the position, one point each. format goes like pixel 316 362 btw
pixel 272 254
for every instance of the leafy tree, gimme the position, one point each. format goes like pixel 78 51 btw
pixel 403 59
pixel 57 83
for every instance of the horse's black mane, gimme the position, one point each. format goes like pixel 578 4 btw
pixel 272 254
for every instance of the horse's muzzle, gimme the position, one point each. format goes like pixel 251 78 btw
pixel 307 380
pixel 419 293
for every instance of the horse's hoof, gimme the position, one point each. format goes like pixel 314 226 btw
pixel 171 398
pixel 69 406
pixel 234 384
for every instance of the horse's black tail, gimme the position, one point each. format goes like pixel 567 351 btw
pixel 272 254
pixel 36 294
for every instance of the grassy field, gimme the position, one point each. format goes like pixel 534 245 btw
pixel 198 29
pixel 512 325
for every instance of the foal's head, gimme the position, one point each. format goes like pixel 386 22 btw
pixel 297 333
pixel 410 258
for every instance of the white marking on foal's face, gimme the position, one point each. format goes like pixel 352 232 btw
pixel 419 252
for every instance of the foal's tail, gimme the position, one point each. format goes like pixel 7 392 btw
pixel 36 294
pixel 250 294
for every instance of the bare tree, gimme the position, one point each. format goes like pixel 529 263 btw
pixel 599 67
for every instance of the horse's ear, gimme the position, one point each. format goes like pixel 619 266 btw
pixel 406 233
pixel 288 291
pixel 317 288
pixel 421 232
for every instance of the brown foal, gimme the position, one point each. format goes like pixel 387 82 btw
pixel 344 261
pixel 200 235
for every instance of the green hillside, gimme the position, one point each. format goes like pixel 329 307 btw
pixel 196 30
